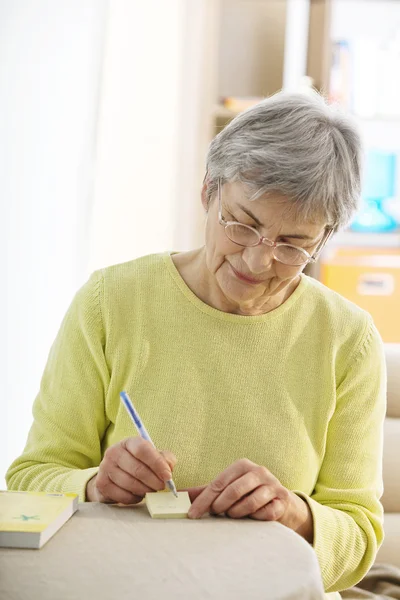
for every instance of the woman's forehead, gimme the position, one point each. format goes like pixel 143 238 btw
pixel 272 210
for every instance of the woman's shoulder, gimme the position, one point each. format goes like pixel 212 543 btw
pixel 117 292
pixel 123 287
pixel 139 267
pixel 326 298
pixel 134 274
pixel 348 329
pixel 343 317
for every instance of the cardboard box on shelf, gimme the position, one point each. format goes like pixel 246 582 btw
pixel 369 277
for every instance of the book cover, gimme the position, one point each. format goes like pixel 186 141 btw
pixel 29 519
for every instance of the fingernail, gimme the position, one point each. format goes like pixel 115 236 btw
pixel 193 514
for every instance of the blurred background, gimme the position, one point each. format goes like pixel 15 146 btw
pixel 107 108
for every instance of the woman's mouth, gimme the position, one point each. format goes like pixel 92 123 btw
pixel 244 277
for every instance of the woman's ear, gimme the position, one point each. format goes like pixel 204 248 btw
pixel 204 194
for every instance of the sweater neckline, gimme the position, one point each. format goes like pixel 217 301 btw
pixel 224 316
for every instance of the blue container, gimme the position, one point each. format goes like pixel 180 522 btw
pixel 378 186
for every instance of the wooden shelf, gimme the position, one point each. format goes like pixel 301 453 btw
pixel 220 112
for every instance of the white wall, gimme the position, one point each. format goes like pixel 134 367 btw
pixel 50 62
pixel 156 99
pixel 135 186
pixel 374 19
pixel 296 44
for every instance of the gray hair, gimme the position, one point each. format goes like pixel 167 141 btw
pixel 295 145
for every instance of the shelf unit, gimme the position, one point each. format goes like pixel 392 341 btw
pixel 245 30
pixel 243 45
pixel 248 53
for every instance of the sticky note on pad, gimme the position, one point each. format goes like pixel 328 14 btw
pixel 164 505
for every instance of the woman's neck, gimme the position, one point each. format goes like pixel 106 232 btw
pixel 192 267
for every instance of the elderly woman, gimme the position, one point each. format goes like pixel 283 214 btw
pixel 265 388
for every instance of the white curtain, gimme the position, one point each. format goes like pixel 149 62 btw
pixel 154 101
pixel 102 143
pixel 50 66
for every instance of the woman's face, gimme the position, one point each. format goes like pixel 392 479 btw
pixel 250 280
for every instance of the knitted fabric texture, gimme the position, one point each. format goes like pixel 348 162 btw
pixel 300 390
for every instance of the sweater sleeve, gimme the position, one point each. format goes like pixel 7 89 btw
pixel 345 504
pixel 63 449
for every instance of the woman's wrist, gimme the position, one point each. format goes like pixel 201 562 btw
pixel 300 518
pixel 90 490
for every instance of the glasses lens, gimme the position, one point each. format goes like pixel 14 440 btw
pixel 242 235
pixel 290 255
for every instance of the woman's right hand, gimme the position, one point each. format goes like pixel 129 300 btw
pixel 129 470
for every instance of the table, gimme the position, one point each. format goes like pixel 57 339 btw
pixel 108 552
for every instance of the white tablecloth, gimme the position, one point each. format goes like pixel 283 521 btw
pixel 110 552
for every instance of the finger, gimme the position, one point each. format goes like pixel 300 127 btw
pixel 110 492
pixel 271 512
pixel 238 489
pixel 193 492
pixel 128 483
pixel 204 501
pixel 139 471
pixel 170 458
pixel 150 456
pixel 252 503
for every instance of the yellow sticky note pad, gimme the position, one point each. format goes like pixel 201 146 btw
pixel 164 505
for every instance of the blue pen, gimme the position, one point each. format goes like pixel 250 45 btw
pixel 142 430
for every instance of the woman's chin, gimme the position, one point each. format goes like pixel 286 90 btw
pixel 238 291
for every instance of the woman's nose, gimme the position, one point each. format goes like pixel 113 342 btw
pixel 259 258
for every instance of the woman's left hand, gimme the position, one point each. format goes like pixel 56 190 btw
pixel 246 489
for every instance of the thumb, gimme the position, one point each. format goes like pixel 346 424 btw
pixel 170 458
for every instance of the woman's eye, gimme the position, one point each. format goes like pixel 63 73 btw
pixel 253 225
pixel 290 243
pixel 243 222
pixel 298 244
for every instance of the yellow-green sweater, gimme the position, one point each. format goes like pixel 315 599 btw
pixel 300 390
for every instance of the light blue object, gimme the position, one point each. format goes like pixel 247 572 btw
pixel 378 186
pixel 142 431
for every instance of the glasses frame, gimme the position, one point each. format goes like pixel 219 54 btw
pixel 263 240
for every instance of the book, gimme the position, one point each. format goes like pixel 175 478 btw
pixel 30 519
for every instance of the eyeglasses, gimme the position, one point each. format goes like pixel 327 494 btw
pixel 246 236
